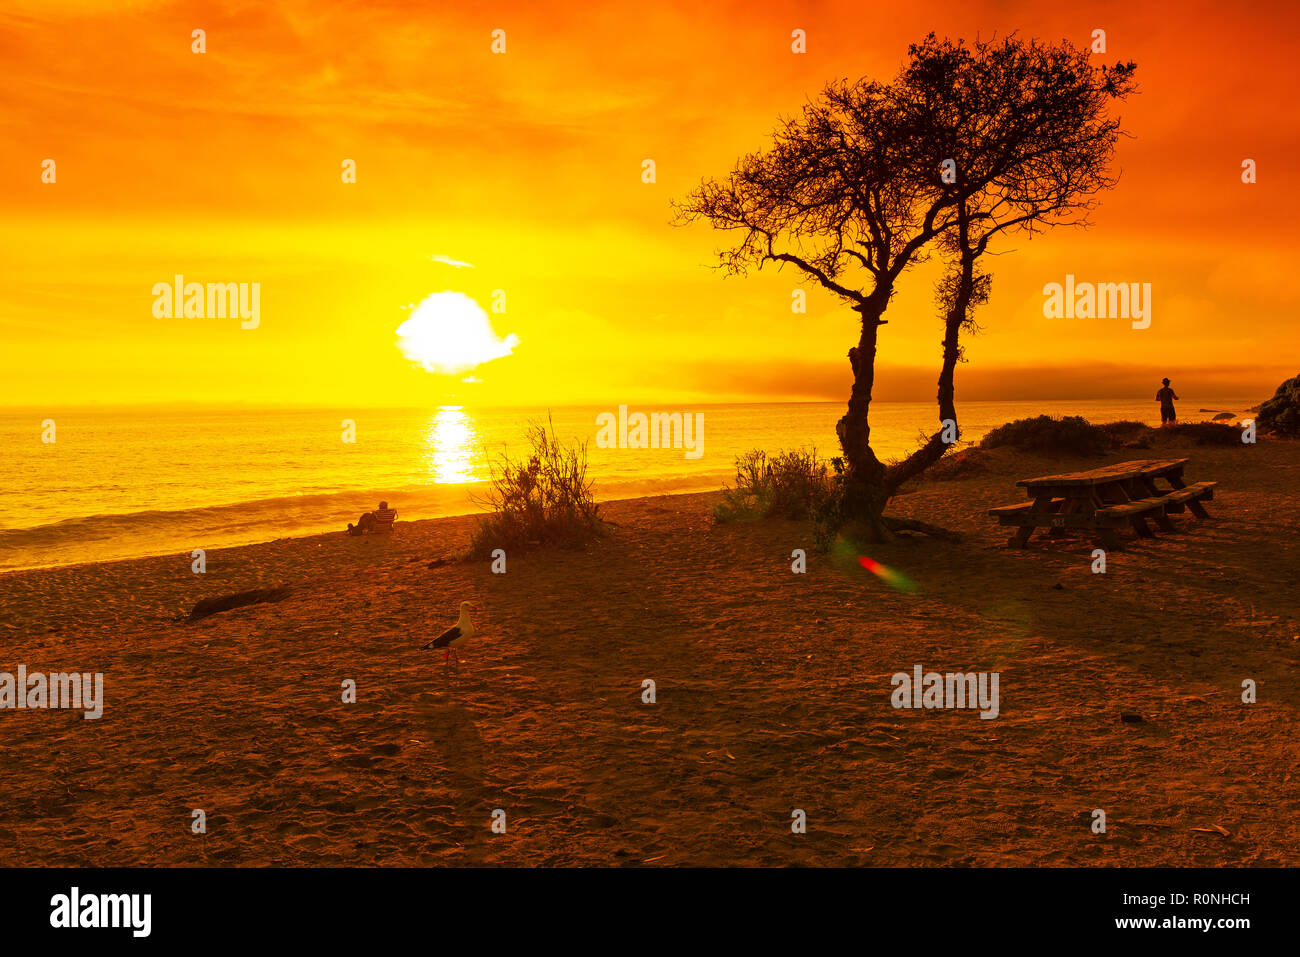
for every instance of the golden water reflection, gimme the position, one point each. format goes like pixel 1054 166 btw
pixel 452 447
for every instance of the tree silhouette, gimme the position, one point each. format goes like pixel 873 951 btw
pixel 1026 129
pixel 852 193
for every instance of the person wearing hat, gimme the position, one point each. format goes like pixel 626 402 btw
pixel 1166 398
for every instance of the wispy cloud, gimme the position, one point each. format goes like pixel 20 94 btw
pixel 448 261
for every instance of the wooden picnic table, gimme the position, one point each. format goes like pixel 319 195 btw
pixel 1105 499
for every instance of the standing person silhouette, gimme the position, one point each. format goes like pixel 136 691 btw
pixel 1166 398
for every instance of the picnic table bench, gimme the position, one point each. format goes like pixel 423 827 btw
pixel 1104 500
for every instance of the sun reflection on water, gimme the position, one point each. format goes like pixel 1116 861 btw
pixel 451 441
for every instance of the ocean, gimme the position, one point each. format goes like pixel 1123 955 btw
pixel 122 483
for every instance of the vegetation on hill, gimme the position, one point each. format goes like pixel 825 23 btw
pixel 1071 434
pixel 1207 433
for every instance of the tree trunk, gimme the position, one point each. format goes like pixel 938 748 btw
pixel 865 485
pixel 933 450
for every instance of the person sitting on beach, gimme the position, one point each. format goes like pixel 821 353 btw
pixel 1166 398
pixel 382 517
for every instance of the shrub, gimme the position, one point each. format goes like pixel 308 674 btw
pixel 546 500
pixel 958 465
pixel 1282 412
pixel 1129 434
pixel 784 485
pixel 1125 429
pixel 1208 433
pixel 1071 434
pixel 828 511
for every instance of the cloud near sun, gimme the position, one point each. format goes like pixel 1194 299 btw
pixel 449 333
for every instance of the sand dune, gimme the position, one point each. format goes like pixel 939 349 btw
pixel 772 694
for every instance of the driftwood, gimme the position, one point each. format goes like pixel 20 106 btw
pixel 914 525
pixel 219 603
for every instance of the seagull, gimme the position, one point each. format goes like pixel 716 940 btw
pixel 455 635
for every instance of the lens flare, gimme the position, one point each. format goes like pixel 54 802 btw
pixel 894 579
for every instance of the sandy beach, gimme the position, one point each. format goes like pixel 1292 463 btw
pixel 772 688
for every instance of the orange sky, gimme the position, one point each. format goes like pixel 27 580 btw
pixel 225 166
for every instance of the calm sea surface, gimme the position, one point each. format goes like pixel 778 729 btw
pixel 130 482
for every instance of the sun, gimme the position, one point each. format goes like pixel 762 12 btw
pixel 449 333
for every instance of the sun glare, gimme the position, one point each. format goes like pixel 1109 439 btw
pixel 449 440
pixel 449 333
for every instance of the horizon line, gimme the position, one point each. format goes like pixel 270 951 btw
pixel 185 405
